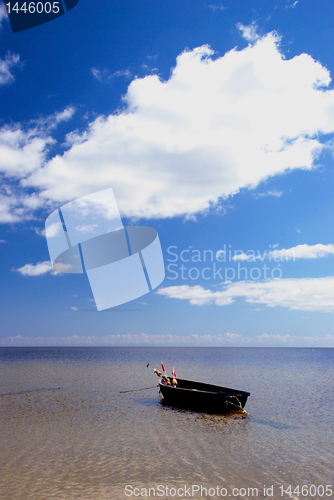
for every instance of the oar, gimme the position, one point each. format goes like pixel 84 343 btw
pixel 143 389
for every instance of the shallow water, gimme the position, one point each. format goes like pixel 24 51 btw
pixel 68 433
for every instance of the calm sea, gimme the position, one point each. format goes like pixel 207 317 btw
pixel 68 433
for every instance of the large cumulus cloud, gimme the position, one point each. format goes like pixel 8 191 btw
pixel 180 146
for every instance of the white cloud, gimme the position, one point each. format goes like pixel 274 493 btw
pixel 175 148
pixel 43 268
pixel 15 207
pixel 6 65
pixel 9 209
pixel 249 32
pixel 24 151
pixel 53 230
pixel 64 116
pixel 143 339
pixel 196 295
pixel 303 252
pixel 36 269
pixel 21 152
pixel 306 294
pixel 285 254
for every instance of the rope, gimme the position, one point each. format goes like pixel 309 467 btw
pixel 143 389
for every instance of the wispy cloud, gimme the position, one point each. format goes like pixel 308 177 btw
pixel 272 192
pixel 50 122
pixel 306 294
pixel 149 69
pixel 143 339
pixel 285 254
pixel 249 32
pixel 105 76
pixel 291 5
pixel 217 7
pixel 15 205
pixel 9 62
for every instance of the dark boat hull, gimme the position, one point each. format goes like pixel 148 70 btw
pixel 205 397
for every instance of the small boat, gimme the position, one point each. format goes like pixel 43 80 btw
pixel 199 396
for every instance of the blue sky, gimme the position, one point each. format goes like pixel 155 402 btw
pixel 213 123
